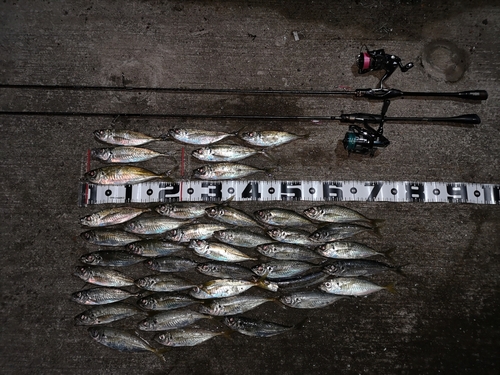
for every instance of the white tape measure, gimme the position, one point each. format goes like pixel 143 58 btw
pixel 376 191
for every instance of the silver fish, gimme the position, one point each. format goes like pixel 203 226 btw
pixel 162 301
pixel 110 258
pixel 122 175
pixel 183 210
pixel 123 341
pixel 185 337
pixel 269 138
pixel 218 251
pixel 101 296
pixel 154 247
pixel 124 154
pixel 241 237
pixel 109 237
pixel 112 216
pixel 282 269
pixel 336 214
pixel 224 270
pixel 233 305
pixel 103 276
pixel 302 281
pixel 358 267
pixel 170 264
pixel 292 236
pixel 164 282
pixel 281 217
pixel 220 288
pixel 346 250
pixel 153 225
pixel 257 327
pixel 309 299
pixel 198 136
pixel 225 153
pixel 353 286
pixel 194 231
pixel 226 171
pixel 173 319
pixel 230 216
pixel 334 232
pixel 288 251
pixel 105 314
pixel 123 137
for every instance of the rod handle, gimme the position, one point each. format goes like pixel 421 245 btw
pixel 462 119
pixel 473 95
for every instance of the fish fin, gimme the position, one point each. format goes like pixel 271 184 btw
pixel 277 301
pixel 300 324
pixel 390 288
pixel 160 353
pixel 227 201
pixel 164 137
pixel 399 270
pixel 263 152
pixel 387 254
pixel 376 231
pixel 228 334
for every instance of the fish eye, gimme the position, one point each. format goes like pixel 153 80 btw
pixel 328 284
pixel 196 289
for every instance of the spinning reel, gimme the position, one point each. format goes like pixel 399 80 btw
pixel 370 61
pixel 367 140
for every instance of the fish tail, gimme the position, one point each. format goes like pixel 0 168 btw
pixel 390 288
pixel 388 254
pixel 376 231
pixel 160 353
pixel 277 301
pixel 237 132
pixel 300 324
pixel 399 270
pixel 228 334
pixel 263 152
pixel 376 222
pixel 164 137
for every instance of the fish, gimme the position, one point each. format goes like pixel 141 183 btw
pixel 183 210
pixel 122 175
pixel 124 137
pixel 197 136
pixel 153 225
pixel 282 269
pixel 105 314
pixel 164 282
pixel 226 171
pixel 110 258
pixel 230 216
pixel 225 153
pixel 269 138
pixel 109 237
pixel 124 154
pixel 300 282
pixel 218 251
pixel 172 319
pixel 337 214
pixel 288 251
pixel 241 237
pixel 257 327
pixel 291 236
pixel 223 270
pixel 101 296
pixel 123 341
pixel 103 276
pixel 334 232
pixel 185 337
pixel 281 217
pixel 353 286
pixel 309 299
pixel 154 247
pixel 194 231
pixel 346 250
pixel 233 305
pixel 220 288
pixel 162 301
pixel 358 267
pixel 170 264
pixel 112 216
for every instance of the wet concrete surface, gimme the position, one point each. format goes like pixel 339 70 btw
pixel 444 317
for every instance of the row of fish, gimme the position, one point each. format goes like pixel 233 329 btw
pixel 300 260
pixel 223 157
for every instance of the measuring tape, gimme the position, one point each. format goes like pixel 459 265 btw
pixel 279 190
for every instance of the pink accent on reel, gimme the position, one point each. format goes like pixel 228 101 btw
pixel 366 61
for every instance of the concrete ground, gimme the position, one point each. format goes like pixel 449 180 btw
pixel 445 315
